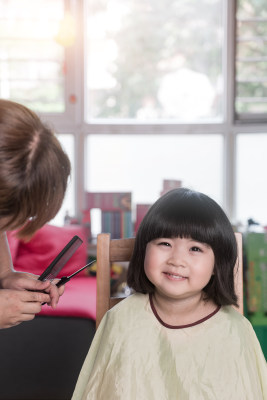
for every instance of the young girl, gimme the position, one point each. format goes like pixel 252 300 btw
pixel 178 336
pixel 34 172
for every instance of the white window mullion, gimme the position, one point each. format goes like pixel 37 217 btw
pixel 229 180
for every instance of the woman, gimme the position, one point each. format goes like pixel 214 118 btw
pixel 34 171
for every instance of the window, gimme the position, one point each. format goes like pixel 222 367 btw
pixel 68 206
pixel 34 66
pixel 147 91
pixel 154 60
pixel 251 177
pixel 152 71
pixel 251 60
pixel 31 61
pixel 129 163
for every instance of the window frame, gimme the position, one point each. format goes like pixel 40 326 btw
pixel 71 118
pixel 229 128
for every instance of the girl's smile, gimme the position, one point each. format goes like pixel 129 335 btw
pixel 175 277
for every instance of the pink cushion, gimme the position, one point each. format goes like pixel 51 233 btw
pixel 78 299
pixel 36 255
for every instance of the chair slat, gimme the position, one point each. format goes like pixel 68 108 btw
pixel 238 273
pixel 121 249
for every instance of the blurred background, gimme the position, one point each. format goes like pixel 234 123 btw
pixel 143 91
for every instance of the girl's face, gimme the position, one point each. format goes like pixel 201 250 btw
pixel 178 267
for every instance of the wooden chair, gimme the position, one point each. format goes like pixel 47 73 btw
pixel 116 250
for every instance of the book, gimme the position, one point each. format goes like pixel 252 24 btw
pixel 116 213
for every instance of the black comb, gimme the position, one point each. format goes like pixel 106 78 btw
pixel 61 259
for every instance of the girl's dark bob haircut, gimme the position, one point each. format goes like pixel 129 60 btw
pixel 189 214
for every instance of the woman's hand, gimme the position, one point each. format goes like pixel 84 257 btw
pixel 23 281
pixel 21 294
pixel 17 306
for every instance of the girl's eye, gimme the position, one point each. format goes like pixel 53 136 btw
pixel 164 244
pixel 195 248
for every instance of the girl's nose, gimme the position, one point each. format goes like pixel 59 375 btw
pixel 177 258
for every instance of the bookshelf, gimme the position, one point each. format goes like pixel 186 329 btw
pixel 116 213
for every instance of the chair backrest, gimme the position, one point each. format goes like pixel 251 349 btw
pixel 116 250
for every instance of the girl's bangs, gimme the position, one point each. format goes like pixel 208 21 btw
pixel 183 224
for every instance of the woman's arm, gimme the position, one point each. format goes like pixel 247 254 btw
pixel 6 265
pixel 21 298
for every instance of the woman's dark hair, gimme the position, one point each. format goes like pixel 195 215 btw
pixel 188 214
pixel 34 170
